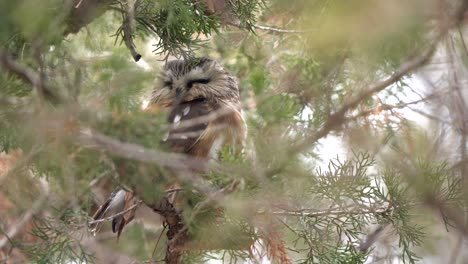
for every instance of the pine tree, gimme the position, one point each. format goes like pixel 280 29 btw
pixel 74 75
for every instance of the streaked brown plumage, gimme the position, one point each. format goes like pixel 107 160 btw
pixel 202 101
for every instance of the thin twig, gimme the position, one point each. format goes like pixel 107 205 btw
pixel 337 118
pixel 110 218
pixel 277 30
pixel 14 230
pixel 333 211
pixel 266 28
pixel 387 107
pixel 127 25
pixel 157 242
pixel 183 164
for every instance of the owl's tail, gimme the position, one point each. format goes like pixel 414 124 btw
pixel 120 207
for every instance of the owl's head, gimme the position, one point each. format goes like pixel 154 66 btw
pixel 183 81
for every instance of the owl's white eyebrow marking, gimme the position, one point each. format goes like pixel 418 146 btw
pixel 186 110
pixel 197 70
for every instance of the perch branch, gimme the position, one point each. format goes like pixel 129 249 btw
pixel 110 218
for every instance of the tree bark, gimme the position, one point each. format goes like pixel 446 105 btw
pixel 176 234
pixel 83 12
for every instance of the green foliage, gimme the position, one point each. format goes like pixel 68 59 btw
pixel 246 10
pixel 57 244
pixel 175 23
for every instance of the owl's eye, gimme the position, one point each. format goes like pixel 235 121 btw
pixel 168 84
pixel 202 81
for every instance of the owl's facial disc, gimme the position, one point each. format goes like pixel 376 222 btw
pixel 180 81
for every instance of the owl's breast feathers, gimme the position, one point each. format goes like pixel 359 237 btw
pixel 202 127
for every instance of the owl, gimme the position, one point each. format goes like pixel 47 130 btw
pixel 203 109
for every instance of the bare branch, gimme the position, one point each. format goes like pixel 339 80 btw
pixel 333 211
pixel 387 107
pixel 110 218
pixel 268 29
pixel 128 30
pixel 14 230
pixel 27 75
pixel 183 164
pixel 277 30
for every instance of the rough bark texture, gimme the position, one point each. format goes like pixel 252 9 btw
pixel 176 234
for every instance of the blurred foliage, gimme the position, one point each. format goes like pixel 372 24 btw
pixel 291 83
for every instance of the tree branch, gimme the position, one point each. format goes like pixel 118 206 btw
pixel 33 210
pixel 337 118
pixel 333 211
pixel 387 107
pixel 409 66
pixel 27 75
pixel 110 218
pixel 184 165
pixel 83 12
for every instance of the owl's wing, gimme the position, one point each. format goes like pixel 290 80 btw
pixel 188 121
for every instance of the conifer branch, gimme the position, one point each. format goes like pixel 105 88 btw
pixel 27 75
pixel 408 66
pixel 336 119
pixel 25 219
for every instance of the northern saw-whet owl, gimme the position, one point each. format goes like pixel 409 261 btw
pixel 203 107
